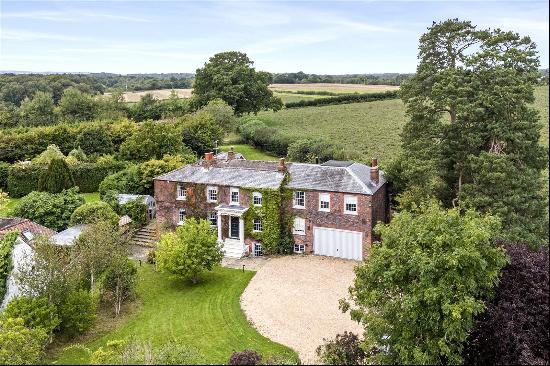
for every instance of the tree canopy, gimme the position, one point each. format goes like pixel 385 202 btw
pixel 471 134
pixel 230 76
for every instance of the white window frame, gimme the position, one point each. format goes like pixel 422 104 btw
pixel 180 212
pixel 181 193
pixel 211 189
pixel 258 250
pixel 258 196
pixel 257 225
pixel 352 200
pixel 213 216
pixel 299 230
pixel 295 199
pixel 324 197
pixel 231 191
pixel 299 248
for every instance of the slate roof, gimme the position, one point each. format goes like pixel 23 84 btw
pixel 223 156
pixel 236 173
pixel 333 176
pixel 353 178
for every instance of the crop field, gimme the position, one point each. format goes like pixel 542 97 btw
pixel 159 94
pixel 334 88
pixel 371 129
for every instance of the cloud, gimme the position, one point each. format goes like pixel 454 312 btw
pixel 21 35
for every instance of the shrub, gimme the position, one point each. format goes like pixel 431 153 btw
pixel 56 178
pixel 52 152
pixel 4 172
pixel 23 179
pixel 153 168
pixel 200 131
pixel 246 357
pixel 222 113
pixel 256 132
pixel 49 209
pixel 345 349
pixel 20 345
pixel 192 249
pixel 92 212
pixel 308 150
pixel 6 249
pixel 137 210
pixel 95 140
pixel 77 312
pixel 88 176
pixel 151 256
pixel 441 265
pixel 78 154
pixel 124 181
pixel 174 353
pixel 36 312
pixel 513 330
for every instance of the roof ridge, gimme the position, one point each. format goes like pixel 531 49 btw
pixel 357 178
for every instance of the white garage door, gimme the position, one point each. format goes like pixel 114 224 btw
pixel 337 243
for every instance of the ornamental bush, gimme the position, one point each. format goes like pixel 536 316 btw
pixel 56 178
pixel 92 212
pixel 137 210
pixel 246 357
pixel 192 249
pixel 36 312
pixel 77 312
pixel 49 209
pixel 418 293
pixel 345 349
pixel 20 345
pixel 513 330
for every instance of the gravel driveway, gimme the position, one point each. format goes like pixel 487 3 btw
pixel 293 300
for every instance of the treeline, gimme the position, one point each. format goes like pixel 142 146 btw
pixel 136 82
pixel 344 99
pixel 367 79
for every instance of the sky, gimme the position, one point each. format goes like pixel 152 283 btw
pixel 322 37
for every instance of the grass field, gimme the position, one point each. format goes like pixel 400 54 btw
pixel 12 202
pixel 134 96
pixel 207 316
pixel 249 152
pixel 290 97
pixel 335 88
pixel 371 129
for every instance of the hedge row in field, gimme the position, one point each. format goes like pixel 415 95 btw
pixel 23 179
pixel 343 99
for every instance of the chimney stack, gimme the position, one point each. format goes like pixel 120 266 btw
pixel 208 160
pixel 281 167
pixel 231 154
pixel 374 174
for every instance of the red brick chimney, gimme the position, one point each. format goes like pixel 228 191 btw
pixel 208 160
pixel 231 154
pixel 281 167
pixel 374 174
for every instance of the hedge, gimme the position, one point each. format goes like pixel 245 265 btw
pixel 4 169
pixel 344 99
pixel 26 143
pixel 23 179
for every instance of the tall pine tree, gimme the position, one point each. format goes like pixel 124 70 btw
pixel 472 138
pixel 56 178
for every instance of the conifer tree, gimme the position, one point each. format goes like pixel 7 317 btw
pixel 56 178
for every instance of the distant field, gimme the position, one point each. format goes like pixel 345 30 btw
pixel 372 128
pixel 335 88
pixel 290 97
pixel 159 94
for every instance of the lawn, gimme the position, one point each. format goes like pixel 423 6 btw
pixel 371 128
pixel 12 202
pixel 207 316
pixel 249 152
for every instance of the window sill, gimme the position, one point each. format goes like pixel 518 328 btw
pixel 324 209
pixel 350 213
pixel 180 223
pixel 298 233
pixel 257 231
pixel 181 199
pixel 299 207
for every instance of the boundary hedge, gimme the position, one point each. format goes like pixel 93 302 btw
pixel 344 99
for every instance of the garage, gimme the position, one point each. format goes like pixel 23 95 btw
pixel 338 243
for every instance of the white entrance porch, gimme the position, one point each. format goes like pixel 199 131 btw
pixel 233 243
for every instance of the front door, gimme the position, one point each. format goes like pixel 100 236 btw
pixel 234 227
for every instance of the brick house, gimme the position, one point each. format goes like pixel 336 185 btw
pixel 327 209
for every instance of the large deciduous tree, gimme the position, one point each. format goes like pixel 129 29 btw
pixel 472 138
pixel 189 251
pixel 231 77
pixel 38 111
pixel 420 289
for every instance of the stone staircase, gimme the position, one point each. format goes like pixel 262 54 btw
pixel 146 236
pixel 232 248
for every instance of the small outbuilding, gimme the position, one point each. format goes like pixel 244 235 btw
pixel 148 200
